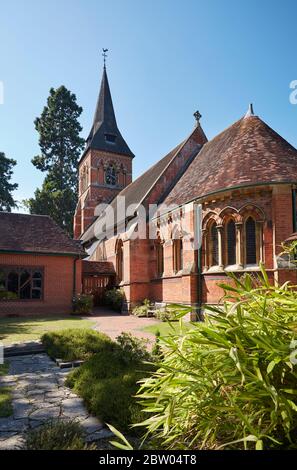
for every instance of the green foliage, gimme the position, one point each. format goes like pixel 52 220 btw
pixel 107 382
pixel 82 304
pixel 5 402
pixel 229 382
pixel 56 435
pixel 290 250
pixel 157 349
pixel 5 394
pixel 6 295
pixel 142 310
pixel 4 369
pixel 75 343
pixel 172 312
pixel 6 187
pixel 122 444
pixel 132 348
pixel 114 298
pixel 60 145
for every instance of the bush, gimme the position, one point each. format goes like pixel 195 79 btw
pixel 114 298
pixel 56 435
pixel 142 310
pixel 75 343
pixel 230 382
pixel 82 304
pixel 6 295
pixel 132 348
pixel 172 312
pixel 108 382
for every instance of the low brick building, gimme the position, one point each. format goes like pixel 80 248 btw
pixel 232 204
pixel 40 266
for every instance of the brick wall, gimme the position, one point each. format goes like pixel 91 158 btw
pixel 58 284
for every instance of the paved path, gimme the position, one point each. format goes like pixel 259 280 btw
pixel 113 324
pixel 39 395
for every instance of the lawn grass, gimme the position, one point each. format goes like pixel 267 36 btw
pixel 5 395
pixel 165 328
pixel 18 330
pixel 5 402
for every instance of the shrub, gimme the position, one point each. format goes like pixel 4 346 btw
pixel 75 343
pixel 6 295
pixel 5 402
pixel 230 382
pixel 56 435
pixel 114 298
pixel 142 310
pixel 82 304
pixel 172 312
pixel 108 382
pixel 132 348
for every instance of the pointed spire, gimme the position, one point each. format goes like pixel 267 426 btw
pixel 250 111
pixel 104 134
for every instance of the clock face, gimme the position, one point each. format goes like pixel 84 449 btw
pixel 110 176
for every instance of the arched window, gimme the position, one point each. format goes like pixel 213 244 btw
pixel 231 242
pixel 13 282
pixel 214 246
pixel 120 261
pixel 111 175
pixel 25 285
pixel 250 241
pixel 177 255
pixel 159 257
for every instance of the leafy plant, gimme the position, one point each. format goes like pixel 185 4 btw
pixel 6 295
pixel 110 377
pixel 142 310
pixel 82 304
pixel 229 382
pixel 172 312
pixel 132 348
pixel 114 298
pixel 56 435
pixel 75 343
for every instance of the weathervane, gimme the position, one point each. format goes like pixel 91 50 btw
pixel 104 55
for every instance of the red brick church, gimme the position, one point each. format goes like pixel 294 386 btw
pixel 227 205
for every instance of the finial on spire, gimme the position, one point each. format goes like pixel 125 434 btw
pixel 104 56
pixel 250 111
pixel 197 116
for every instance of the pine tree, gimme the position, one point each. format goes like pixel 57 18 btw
pixel 60 144
pixel 6 170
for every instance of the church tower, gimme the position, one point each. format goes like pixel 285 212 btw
pixel 105 167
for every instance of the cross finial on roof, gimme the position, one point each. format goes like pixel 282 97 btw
pixel 197 116
pixel 104 56
pixel 250 111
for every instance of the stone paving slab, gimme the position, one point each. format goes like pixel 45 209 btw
pixel 39 395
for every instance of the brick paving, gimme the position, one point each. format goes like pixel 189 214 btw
pixel 113 324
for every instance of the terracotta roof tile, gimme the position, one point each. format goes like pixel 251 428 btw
pixel 248 152
pixel 97 267
pixel 35 233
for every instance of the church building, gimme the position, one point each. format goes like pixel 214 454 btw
pixel 220 205
pixel 231 203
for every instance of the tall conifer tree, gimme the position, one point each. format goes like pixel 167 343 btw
pixel 60 144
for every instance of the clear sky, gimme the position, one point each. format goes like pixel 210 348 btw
pixel 167 58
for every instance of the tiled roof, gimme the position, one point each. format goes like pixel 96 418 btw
pixel 135 192
pixel 35 233
pixel 248 152
pixel 105 125
pixel 97 267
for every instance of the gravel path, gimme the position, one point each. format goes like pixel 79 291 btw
pixel 39 394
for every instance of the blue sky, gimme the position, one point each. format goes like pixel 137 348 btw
pixel 167 58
